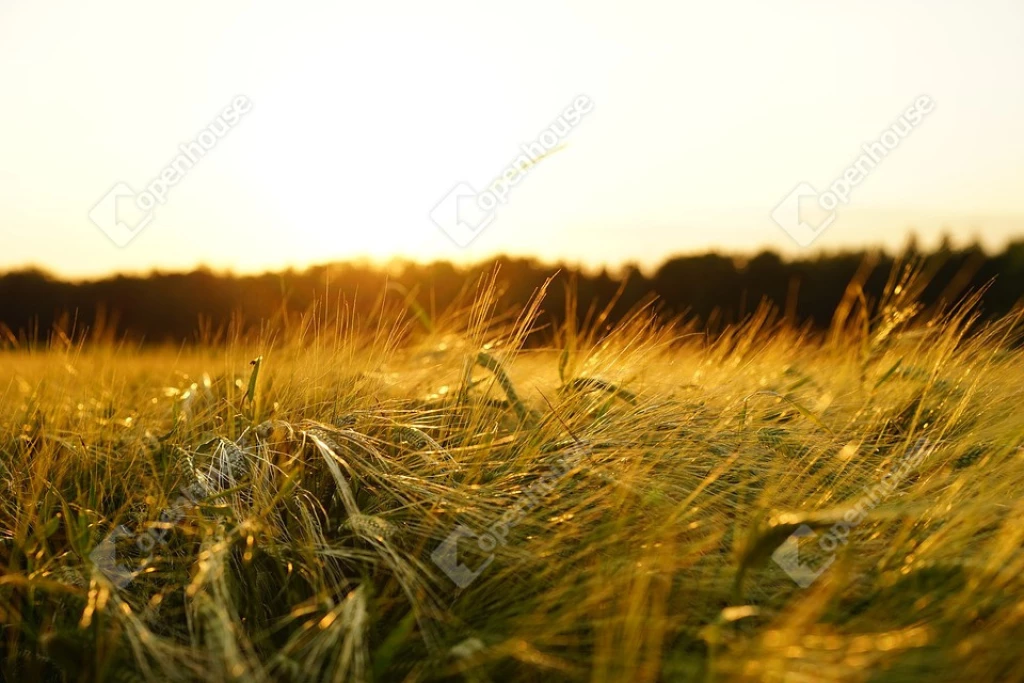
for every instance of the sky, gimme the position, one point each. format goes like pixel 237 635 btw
pixel 344 129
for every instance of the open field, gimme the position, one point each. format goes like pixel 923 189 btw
pixel 625 500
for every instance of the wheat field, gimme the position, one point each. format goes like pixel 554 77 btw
pixel 479 496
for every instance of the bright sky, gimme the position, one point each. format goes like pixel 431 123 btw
pixel 364 115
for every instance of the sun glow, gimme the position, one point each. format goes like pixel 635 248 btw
pixel 365 117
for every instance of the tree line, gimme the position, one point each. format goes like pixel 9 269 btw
pixel 713 289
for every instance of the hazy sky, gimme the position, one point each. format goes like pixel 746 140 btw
pixel 365 115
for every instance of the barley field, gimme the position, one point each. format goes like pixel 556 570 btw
pixel 482 496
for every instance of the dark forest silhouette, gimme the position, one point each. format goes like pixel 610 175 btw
pixel 714 289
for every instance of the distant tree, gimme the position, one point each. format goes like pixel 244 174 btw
pixel 709 287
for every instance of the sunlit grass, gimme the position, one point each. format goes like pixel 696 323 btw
pixel 318 481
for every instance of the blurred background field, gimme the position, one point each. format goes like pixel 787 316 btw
pixel 710 289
